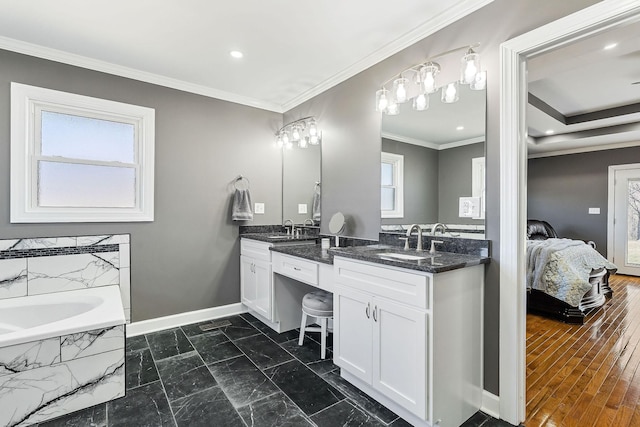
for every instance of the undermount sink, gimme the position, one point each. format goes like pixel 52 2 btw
pixel 403 257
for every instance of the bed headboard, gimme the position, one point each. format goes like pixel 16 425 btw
pixel 540 230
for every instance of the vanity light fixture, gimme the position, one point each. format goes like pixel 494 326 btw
pixel 303 131
pixel 424 76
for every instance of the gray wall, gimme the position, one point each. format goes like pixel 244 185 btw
pixel 454 168
pixel 561 189
pixel 188 258
pixel 351 131
pixel 420 182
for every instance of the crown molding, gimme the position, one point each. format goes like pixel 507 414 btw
pixel 430 27
pixel 583 150
pixel 131 73
pixel 432 145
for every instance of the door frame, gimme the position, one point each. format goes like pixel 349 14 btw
pixel 611 205
pixel 513 175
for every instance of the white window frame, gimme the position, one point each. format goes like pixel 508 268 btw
pixel 397 161
pixel 26 101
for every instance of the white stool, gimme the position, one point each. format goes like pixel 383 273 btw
pixel 318 304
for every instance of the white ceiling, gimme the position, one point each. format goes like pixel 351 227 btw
pixel 581 78
pixel 293 50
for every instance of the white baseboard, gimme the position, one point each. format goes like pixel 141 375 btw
pixel 175 320
pixel 490 404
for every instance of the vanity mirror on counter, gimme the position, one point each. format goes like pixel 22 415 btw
pixel 301 183
pixel 432 165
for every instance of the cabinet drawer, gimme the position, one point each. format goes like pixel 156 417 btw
pixel 395 284
pixel 296 268
pixel 255 249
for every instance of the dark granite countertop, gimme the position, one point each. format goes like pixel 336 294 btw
pixel 279 237
pixel 441 262
pixel 310 252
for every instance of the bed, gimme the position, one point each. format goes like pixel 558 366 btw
pixel 565 278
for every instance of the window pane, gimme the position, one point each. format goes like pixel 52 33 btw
pixel 633 223
pixel 388 199
pixel 79 137
pixel 74 185
pixel 387 173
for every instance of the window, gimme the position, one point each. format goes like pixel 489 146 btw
pixel 79 159
pixel 392 186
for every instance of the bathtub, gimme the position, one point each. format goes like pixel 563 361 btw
pixel 60 352
pixel 36 317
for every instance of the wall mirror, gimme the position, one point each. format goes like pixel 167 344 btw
pixel 301 184
pixel 433 165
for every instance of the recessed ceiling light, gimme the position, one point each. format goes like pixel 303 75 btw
pixel 610 46
pixel 460 128
pixel 550 132
pixel 236 54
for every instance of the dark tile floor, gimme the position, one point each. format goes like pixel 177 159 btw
pixel 242 374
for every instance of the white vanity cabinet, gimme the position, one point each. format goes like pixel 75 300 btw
pixel 411 339
pixel 255 277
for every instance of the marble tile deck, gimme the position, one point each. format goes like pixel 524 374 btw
pixel 242 374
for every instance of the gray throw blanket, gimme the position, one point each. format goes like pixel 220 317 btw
pixel 561 268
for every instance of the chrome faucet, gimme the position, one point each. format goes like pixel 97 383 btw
pixel 439 225
pixel 419 245
pixel 308 219
pixel 290 231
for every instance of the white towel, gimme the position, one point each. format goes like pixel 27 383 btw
pixel 241 210
pixel 315 205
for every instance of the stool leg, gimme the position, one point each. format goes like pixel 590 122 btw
pixel 302 326
pixel 323 337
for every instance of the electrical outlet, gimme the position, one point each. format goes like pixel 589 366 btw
pixel 594 211
pixel 259 208
pixel 302 208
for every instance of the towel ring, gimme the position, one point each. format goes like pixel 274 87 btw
pixel 240 179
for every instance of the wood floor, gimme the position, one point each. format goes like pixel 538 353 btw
pixel 587 375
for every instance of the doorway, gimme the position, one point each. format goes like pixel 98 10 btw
pixel 624 218
pixel 513 136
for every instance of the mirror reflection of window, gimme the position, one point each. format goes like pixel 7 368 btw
pixel 392 185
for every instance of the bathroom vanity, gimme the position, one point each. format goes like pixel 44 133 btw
pixel 407 325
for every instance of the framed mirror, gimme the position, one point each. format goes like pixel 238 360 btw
pixel 432 165
pixel 301 184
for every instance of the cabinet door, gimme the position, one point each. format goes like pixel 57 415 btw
pixel 262 273
pixel 248 291
pixel 400 354
pixel 352 332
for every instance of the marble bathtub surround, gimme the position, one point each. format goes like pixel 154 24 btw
pixel 34 266
pixel 60 375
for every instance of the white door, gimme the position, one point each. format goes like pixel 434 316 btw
pixel 262 273
pixel 352 336
pixel 400 354
pixel 624 232
pixel 248 291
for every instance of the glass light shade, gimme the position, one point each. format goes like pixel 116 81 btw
pixel 421 102
pixel 313 128
pixel 400 90
pixel 279 141
pixel 450 93
pixel 382 100
pixel 315 139
pixel 295 133
pixel 288 145
pixel 392 109
pixel 304 142
pixel 428 75
pixel 285 138
pixel 470 67
pixel 480 81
